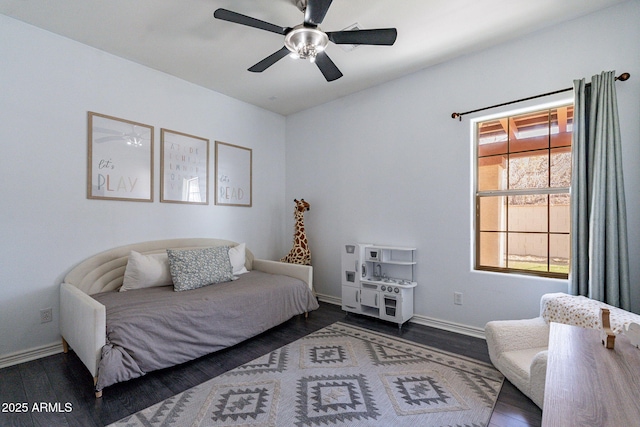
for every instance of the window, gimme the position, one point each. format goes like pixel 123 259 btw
pixel 523 174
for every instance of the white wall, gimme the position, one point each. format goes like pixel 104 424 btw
pixel 47 225
pixel 388 165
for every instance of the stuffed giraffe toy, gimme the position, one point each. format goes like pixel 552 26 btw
pixel 299 253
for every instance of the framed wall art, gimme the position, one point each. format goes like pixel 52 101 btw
pixel 184 168
pixel 233 175
pixel 120 159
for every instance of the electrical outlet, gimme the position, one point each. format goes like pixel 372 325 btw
pixel 46 315
pixel 457 298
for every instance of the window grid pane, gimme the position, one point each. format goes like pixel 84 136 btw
pixel 492 173
pixel 528 251
pixel 559 213
pixel 560 167
pixel 493 213
pixel 559 247
pixel 529 170
pixel 492 251
pixel 529 213
pixel 561 126
pixel 529 131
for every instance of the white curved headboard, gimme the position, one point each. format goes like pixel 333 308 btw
pixel 105 271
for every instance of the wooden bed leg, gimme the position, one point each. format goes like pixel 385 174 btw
pixel 65 346
pixel 98 392
pixel 306 314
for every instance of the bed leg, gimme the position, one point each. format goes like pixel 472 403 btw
pixel 65 346
pixel 306 314
pixel 98 392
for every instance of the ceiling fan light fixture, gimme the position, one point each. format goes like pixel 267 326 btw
pixel 134 141
pixel 305 42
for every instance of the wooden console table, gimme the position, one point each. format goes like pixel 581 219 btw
pixel 587 384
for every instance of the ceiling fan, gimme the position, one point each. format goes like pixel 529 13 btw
pixel 307 40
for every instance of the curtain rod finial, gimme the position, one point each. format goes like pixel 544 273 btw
pixel 455 116
pixel 624 77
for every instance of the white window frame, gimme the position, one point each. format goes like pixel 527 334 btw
pixel 473 123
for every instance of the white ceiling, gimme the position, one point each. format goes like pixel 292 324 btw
pixel 181 38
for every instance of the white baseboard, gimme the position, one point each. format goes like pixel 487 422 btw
pixel 424 320
pixel 329 299
pixel 30 354
pixel 458 328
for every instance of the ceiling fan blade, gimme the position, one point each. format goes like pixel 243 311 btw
pixel 380 36
pixel 270 60
pixel 105 130
pixel 315 11
pixel 238 18
pixel 327 67
pixel 109 139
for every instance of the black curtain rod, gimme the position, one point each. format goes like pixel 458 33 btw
pixel 622 77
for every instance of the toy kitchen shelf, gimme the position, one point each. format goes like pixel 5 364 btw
pixel 378 281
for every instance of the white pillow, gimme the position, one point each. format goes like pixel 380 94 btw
pixel 237 257
pixel 146 271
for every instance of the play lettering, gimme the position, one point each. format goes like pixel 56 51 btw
pixel 121 184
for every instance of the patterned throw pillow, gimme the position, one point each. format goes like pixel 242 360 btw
pixel 195 268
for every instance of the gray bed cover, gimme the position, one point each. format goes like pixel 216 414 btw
pixel 154 328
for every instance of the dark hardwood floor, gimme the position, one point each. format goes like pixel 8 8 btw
pixel 64 386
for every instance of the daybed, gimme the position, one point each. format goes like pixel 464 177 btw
pixel 518 348
pixel 123 335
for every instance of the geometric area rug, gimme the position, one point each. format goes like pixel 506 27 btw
pixel 339 375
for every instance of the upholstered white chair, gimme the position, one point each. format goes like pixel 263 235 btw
pixel 518 348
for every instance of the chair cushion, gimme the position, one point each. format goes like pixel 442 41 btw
pixel 515 365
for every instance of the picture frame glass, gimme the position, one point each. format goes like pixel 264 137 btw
pixel 233 175
pixel 120 159
pixel 184 170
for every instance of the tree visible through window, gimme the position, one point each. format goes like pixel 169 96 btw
pixel 523 174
